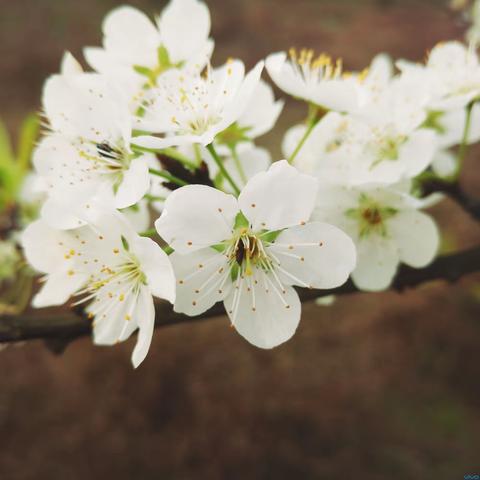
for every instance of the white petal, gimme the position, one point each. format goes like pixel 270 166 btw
pixel 252 161
pixel 262 112
pixel 262 313
pixel 88 106
pixel 278 198
pixel 377 262
pixel 417 153
pixel 131 37
pixel 42 246
pixel 70 65
pixel 203 279
pixel 283 75
pixel 242 97
pixel 444 163
pixel 58 288
pixel 138 216
pixel 157 268
pixel 416 235
pixel 195 217
pixel 146 325
pixel 184 28
pixel 315 255
pixel 135 183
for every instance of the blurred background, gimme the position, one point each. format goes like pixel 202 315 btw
pixel 377 386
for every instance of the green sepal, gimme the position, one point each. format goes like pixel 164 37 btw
pixel 219 247
pixel 125 244
pixel 270 235
pixel 241 221
pixel 163 58
pixel 433 121
pixel 235 271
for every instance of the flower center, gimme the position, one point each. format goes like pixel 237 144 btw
pixel 370 217
pixel 247 251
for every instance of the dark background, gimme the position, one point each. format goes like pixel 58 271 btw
pixel 378 386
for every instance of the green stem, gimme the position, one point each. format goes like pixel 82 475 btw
pixel 462 151
pixel 238 164
pixel 311 122
pixel 151 232
pixel 169 152
pixel 222 169
pixel 198 155
pixel 168 176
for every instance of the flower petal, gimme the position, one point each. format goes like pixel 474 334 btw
pixel 195 217
pixel 377 262
pixel 316 255
pixel 184 28
pixel 264 198
pixel 262 112
pixel 58 288
pixel 261 313
pixel 416 235
pixel 203 279
pixel 146 324
pixel 135 183
pixel 157 267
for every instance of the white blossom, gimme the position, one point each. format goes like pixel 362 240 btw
pixel 249 252
pixel 109 266
pixel 136 51
pixel 88 149
pixel 386 225
pixel 188 107
pixel 318 80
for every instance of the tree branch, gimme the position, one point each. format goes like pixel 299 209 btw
pixel 58 330
pixel 455 192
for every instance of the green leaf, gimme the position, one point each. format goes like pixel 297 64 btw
pixel 241 221
pixel 6 153
pixel 28 136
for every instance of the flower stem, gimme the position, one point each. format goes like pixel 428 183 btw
pixel 222 169
pixel 462 151
pixel 169 152
pixel 312 120
pixel 239 165
pixel 148 233
pixel 168 176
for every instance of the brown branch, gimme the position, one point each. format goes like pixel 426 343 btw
pixel 455 192
pixel 60 329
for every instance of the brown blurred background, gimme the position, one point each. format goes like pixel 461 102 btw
pixel 383 386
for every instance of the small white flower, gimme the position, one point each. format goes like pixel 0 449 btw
pixel 88 149
pixel 136 51
pixel 386 227
pixel 188 107
pixel 111 266
pixel 249 252
pixel 451 74
pixel 317 80
pixel 343 149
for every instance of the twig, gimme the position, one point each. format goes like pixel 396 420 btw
pixel 454 191
pixel 60 329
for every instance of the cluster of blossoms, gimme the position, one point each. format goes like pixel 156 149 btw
pixel 155 128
